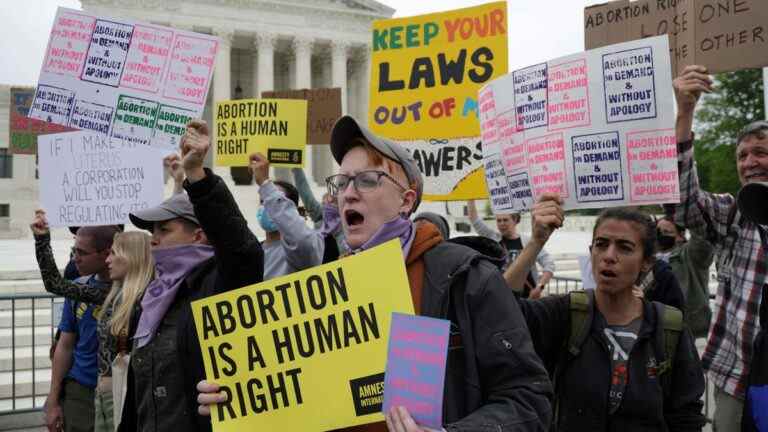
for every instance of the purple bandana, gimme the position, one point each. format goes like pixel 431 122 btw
pixel 399 227
pixel 172 265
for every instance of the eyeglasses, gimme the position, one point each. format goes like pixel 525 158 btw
pixel 364 182
pixel 79 252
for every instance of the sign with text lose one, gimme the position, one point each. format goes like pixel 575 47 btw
pixel 323 109
pixel 596 127
pixel 724 35
pixel 124 79
pixel 425 74
pixel 306 351
pixel 22 130
pixel 276 128
pixel 87 178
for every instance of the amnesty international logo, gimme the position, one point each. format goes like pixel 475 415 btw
pixel 367 394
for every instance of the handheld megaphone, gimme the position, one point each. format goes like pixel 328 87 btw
pixel 753 202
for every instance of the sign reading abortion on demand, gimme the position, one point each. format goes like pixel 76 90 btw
pixel 87 178
pixel 595 127
pixel 425 74
pixel 123 79
pixel 306 351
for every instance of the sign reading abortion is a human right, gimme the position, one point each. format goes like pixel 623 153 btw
pixel 306 351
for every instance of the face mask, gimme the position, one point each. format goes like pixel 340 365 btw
pixel 265 221
pixel 665 241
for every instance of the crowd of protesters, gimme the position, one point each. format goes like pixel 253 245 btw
pixel 620 357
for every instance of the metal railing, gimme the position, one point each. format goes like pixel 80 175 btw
pixel 24 386
pixel 26 324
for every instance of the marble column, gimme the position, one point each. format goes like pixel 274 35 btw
pixel 364 82
pixel 325 165
pixel 265 76
pixel 222 79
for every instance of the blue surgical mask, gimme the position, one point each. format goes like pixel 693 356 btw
pixel 265 221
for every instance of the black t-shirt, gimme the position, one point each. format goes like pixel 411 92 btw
pixel 513 248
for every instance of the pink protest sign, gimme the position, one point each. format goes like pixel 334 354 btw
pixel 595 127
pixel 546 161
pixel 653 165
pixel 415 374
pixel 111 75
pixel 568 93
pixel 190 68
pixel 150 49
pixel 68 44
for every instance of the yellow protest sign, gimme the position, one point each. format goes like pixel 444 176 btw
pixel 425 75
pixel 306 351
pixel 276 128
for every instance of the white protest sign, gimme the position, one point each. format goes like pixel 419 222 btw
pixel 122 78
pixel 445 163
pixel 87 178
pixel 585 267
pixel 597 127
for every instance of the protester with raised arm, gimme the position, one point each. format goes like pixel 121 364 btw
pixel 202 246
pixel 513 243
pixel 620 363
pixel 290 244
pixel 74 402
pixel 742 273
pixel 494 380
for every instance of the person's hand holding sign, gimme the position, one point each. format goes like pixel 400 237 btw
pixel 194 146
pixel 259 167
pixel 400 420
pixel 208 394
pixel 689 86
pixel 39 225
pixel 172 165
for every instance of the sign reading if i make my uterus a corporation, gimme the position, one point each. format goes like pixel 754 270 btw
pixel 122 78
pixel 596 127
pixel 306 351
pixel 87 178
pixel 425 74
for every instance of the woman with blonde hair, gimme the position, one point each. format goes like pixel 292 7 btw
pixel 131 268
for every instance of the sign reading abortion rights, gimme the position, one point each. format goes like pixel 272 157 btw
pixel 596 127
pixel 124 79
pixel 723 35
pixel 87 178
pixel 306 351
pixel 276 128
pixel 425 74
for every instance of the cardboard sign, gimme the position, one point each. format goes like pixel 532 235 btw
pixel 87 178
pixel 23 131
pixel 324 108
pixel 724 35
pixel 596 127
pixel 275 128
pixel 305 351
pixel 425 74
pixel 415 376
pixel 124 79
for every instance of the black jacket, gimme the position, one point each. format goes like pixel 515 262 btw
pixel 170 366
pixel 582 382
pixel 494 379
pixel 665 287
